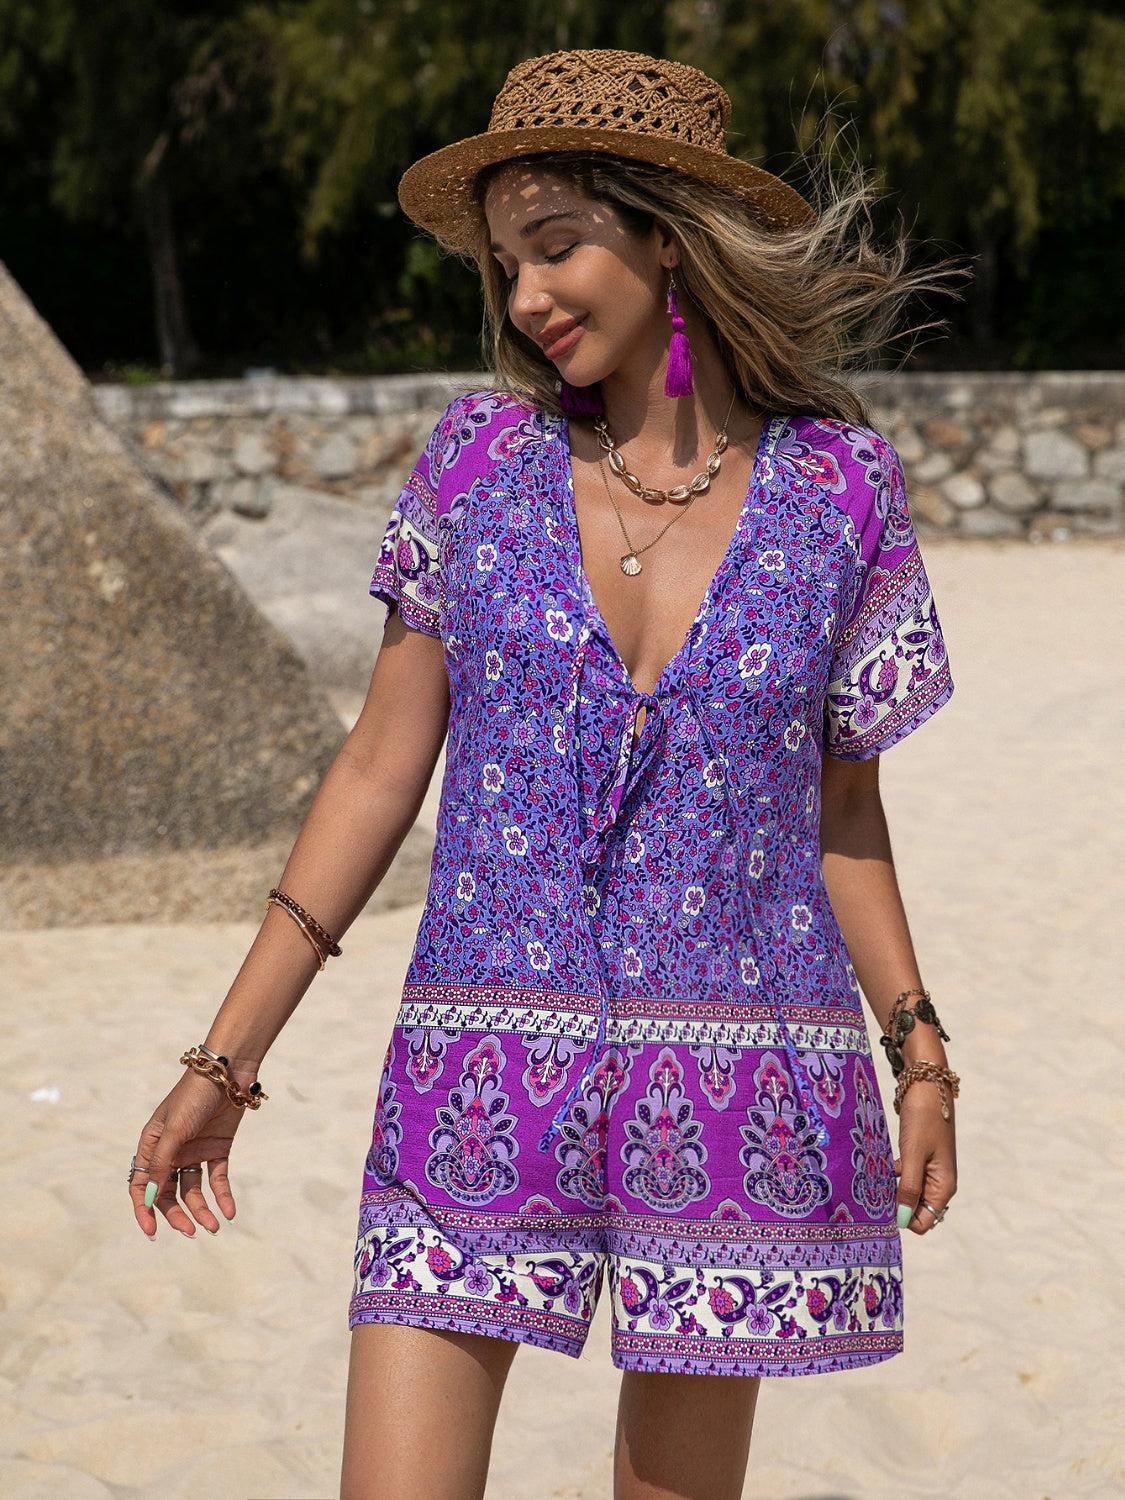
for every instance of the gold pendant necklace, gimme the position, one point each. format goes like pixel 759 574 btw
pixel 631 561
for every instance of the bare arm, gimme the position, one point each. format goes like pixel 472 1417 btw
pixel 860 877
pixel 859 874
pixel 364 808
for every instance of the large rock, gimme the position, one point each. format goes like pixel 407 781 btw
pixel 160 740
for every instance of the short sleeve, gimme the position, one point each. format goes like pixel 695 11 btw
pixel 889 670
pixel 407 571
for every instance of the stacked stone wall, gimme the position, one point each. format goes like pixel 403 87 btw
pixel 1035 456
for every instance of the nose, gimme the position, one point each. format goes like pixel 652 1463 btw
pixel 526 300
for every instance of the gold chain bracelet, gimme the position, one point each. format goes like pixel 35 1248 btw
pixel 217 1071
pixel 931 1072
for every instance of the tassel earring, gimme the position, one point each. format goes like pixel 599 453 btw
pixel 581 400
pixel 677 381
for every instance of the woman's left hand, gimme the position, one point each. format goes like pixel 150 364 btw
pixel 927 1165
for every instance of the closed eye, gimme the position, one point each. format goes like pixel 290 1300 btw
pixel 551 260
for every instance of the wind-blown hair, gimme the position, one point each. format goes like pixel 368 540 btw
pixel 793 311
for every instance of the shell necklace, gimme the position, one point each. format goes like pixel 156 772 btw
pixel 631 560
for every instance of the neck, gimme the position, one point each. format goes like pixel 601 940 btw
pixel 678 428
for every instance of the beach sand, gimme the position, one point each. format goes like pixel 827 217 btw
pixel 132 1368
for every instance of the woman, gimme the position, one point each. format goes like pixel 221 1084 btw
pixel 661 589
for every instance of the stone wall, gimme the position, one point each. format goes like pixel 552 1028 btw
pixel 1039 456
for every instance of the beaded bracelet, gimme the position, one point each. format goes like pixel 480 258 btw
pixel 324 944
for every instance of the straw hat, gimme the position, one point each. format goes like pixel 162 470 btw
pixel 622 103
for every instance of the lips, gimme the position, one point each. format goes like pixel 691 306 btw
pixel 558 332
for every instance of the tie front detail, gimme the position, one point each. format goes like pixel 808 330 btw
pixel 630 763
pixel 632 758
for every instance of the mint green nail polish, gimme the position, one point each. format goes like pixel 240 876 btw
pixel 905 1214
pixel 150 1194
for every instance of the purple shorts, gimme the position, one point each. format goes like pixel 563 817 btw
pixel 685 1171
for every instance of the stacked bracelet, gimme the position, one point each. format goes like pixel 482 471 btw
pixel 900 1023
pixel 324 944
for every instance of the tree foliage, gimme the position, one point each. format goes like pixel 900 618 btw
pixel 207 184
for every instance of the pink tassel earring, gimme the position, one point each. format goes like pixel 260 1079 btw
pixel 581 400
pixel 677 381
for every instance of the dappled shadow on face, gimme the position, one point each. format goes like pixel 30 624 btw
pixel 520 196
pixel 565 255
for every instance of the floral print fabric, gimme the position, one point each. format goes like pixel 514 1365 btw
pixel 631 1042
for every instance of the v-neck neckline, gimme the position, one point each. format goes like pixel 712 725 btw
pixel 765 444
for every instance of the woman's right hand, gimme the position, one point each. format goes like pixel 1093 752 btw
pixel 192 1126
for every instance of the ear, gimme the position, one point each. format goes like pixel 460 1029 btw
pixel 667 250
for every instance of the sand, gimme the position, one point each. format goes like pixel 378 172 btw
pixel 138 1369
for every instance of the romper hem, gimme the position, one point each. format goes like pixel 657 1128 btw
pixel 436 1313
pixel 786 1361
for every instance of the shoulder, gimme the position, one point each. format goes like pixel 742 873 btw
pixel 856 468
pixel 477 431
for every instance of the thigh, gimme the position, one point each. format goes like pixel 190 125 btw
pixel 683 1435
pixel 421 1410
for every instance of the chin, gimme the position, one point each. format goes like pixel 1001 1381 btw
pixel 577 377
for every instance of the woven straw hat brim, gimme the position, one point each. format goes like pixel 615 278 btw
pixel 436 191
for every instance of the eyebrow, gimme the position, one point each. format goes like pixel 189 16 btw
pixel 534 225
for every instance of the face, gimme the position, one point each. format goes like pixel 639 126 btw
pixel 567 257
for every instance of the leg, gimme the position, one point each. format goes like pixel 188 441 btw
pixel 421 1409
pixel 683 1437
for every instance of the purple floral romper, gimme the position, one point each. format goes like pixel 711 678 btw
pixel 631 1039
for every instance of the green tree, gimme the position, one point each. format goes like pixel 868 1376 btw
pixel 126 81
pixel 253 149
pixel 997 121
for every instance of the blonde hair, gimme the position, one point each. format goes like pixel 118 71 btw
pixel 793 311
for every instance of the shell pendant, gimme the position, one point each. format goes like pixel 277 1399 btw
pixel 631 564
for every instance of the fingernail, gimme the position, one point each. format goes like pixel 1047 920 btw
pixel 905 1214
pixel 150 1194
